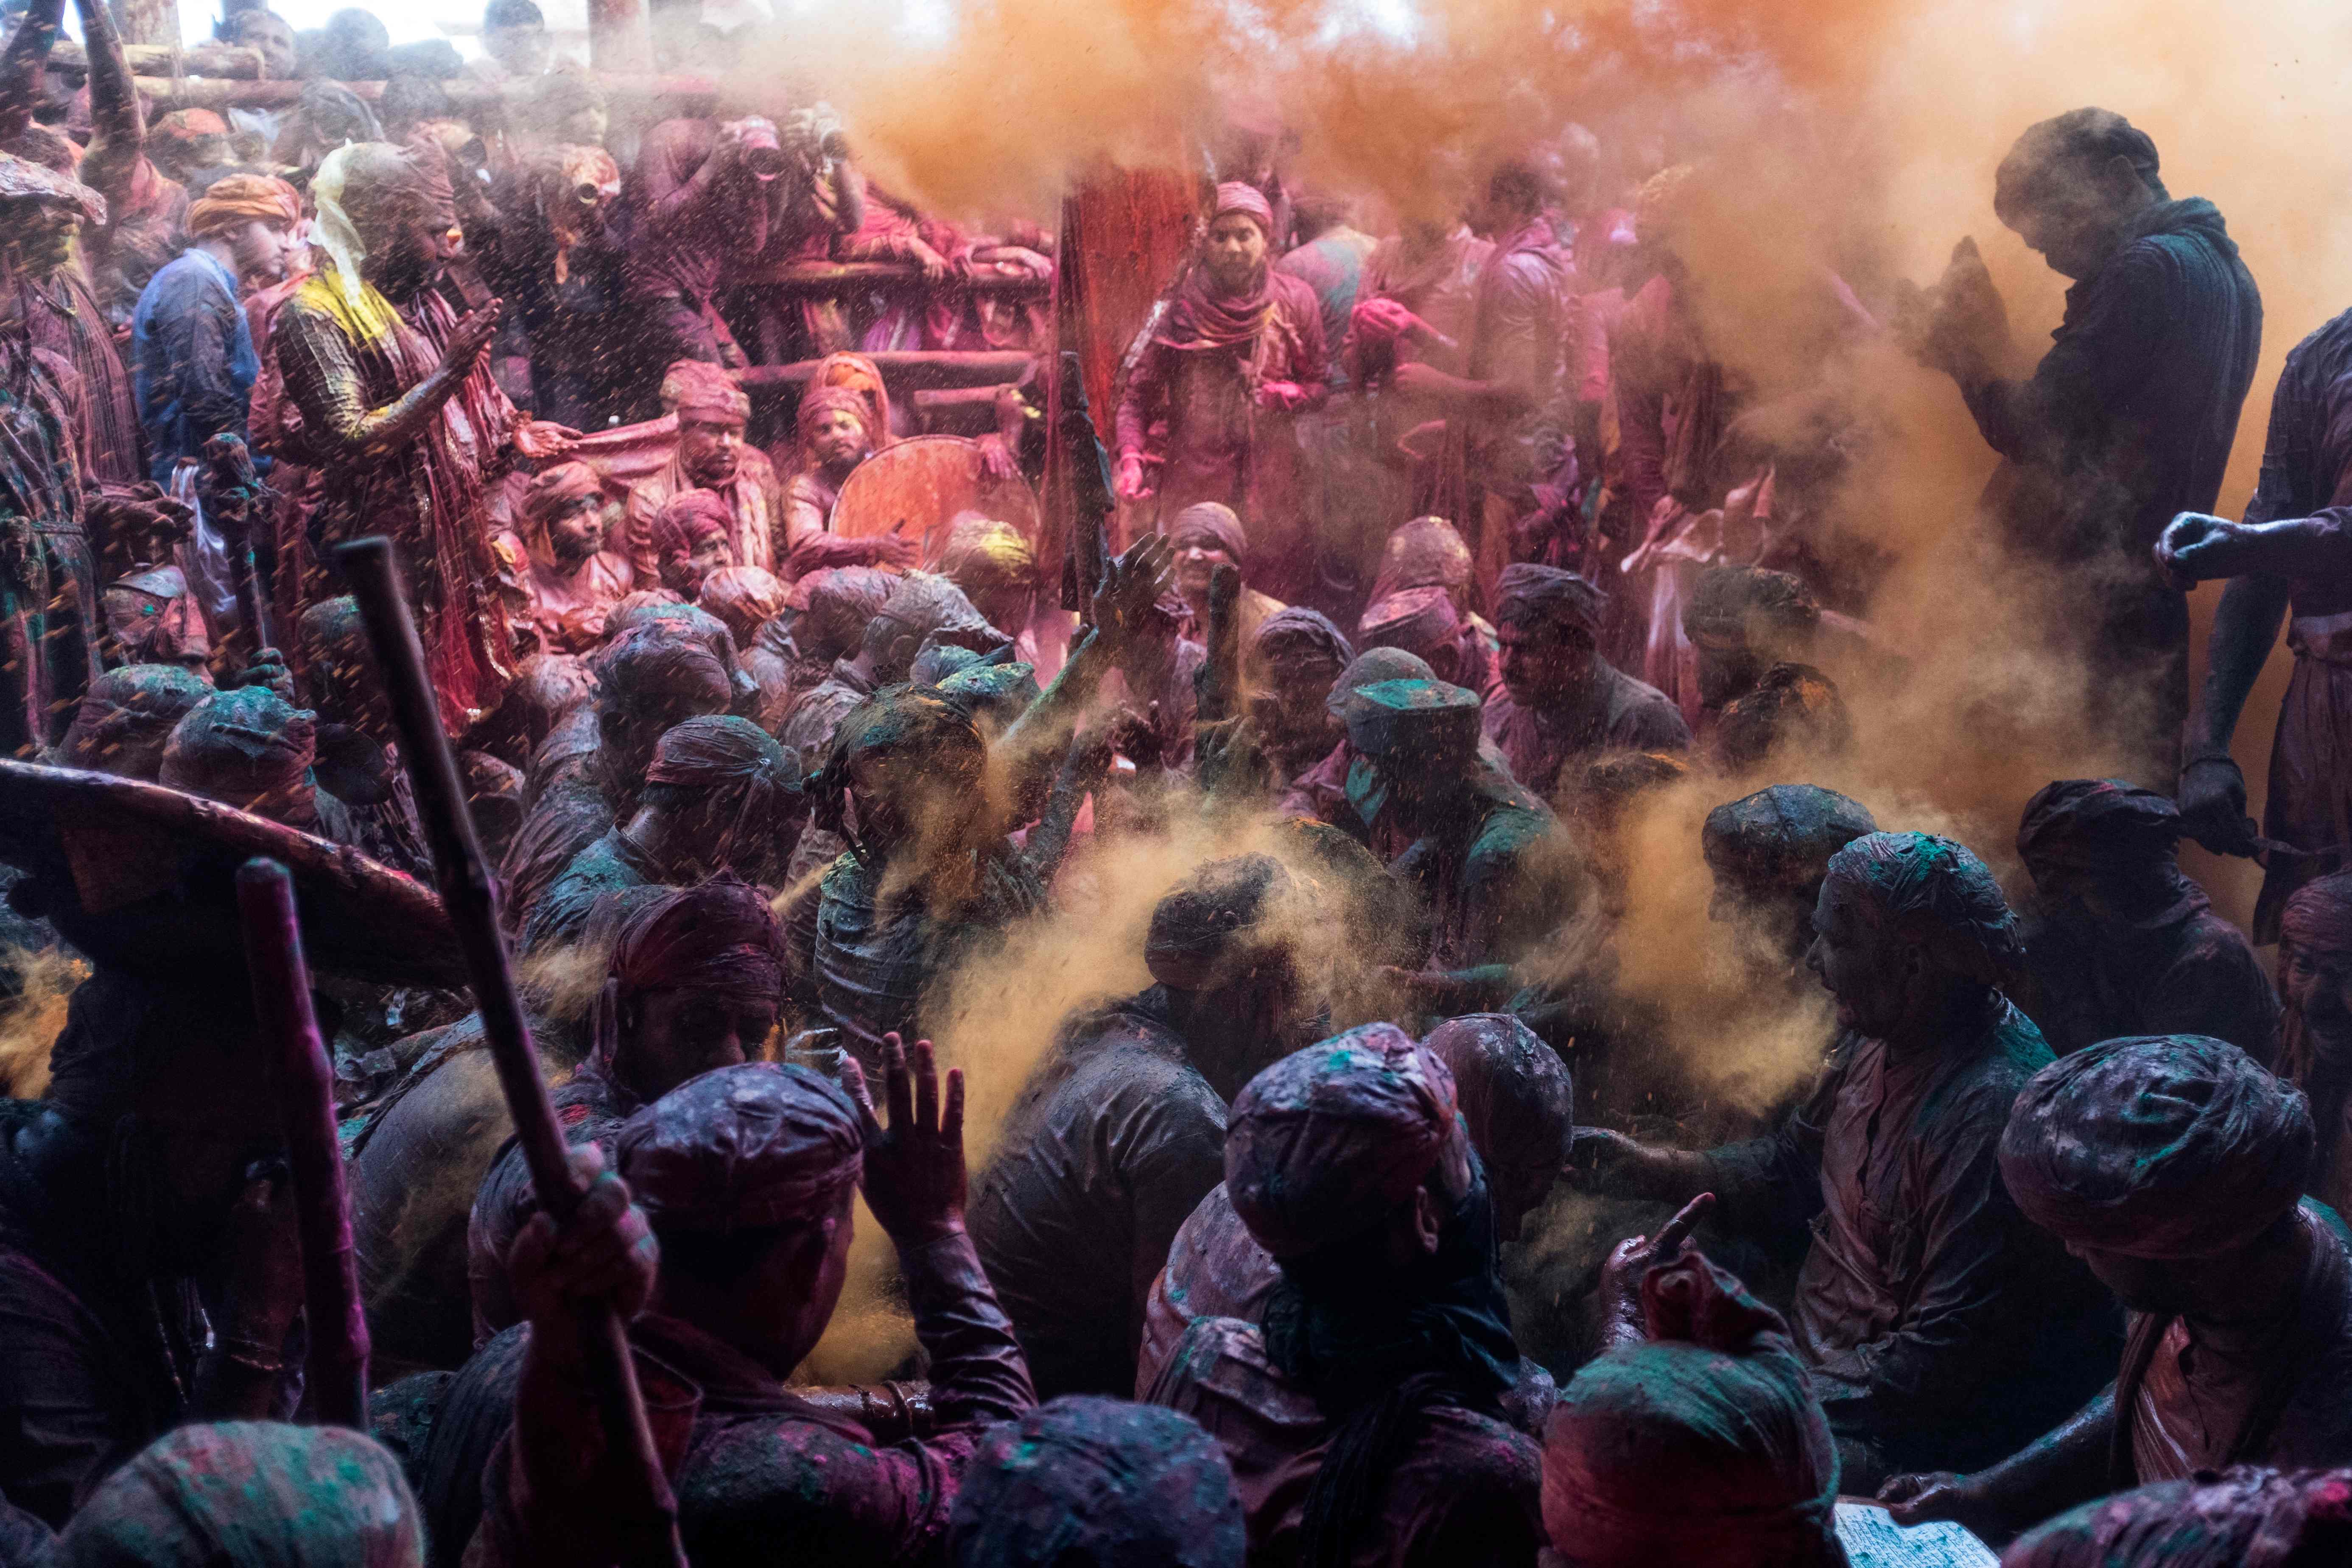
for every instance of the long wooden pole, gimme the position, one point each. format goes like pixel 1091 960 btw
pixel 648 1515
pixel 336 1372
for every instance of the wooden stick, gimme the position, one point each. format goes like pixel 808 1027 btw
pixel 336 1372
pixel 648 1515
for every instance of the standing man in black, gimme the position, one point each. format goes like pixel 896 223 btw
pixel 2129 417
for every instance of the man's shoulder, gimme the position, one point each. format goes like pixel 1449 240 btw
pixel 1640 714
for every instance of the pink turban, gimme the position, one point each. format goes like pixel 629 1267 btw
pixel 745 597
pixel 686 522
pixel 1233 196
pixel 695 389
pixel 1421 621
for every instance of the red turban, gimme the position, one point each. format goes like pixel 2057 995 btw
pixel 743 1148
pixel 1705 1445
pixel 552 494
pixel 695 389
pixel 1323 1144
pixel 2162 1146
pixel 655 665
pixel 718 936
pixel 686 522
pixel 745 597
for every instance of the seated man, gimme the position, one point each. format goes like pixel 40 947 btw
pixel 1205 537
pixel 711 455
pixel 127 717
pixel 921 609
pixel 1288 667
pixel 1934 1317
pixel 1742 621
pixel 695 981
pixel 1366 1406
pixel 250 748
pixel 1561 701
pixel 569 581
pixel 1097 1483
pixel 2174 1166
pixel 1117 1137
pixel 1695 1437
pixel 746 1175
pixel 1321 793
pixel 692 536
pixel 834 438
pixel 587 775
pixel 721 796
pixel 139 1293
pixel 1517 1105
pixel 996 566
pixel 1474 835
pixel 2124 943
pixel 2316 1033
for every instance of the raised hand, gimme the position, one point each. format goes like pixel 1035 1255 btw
pixel 1620 1293
pixel 543 441
pixel 471 339
pixel 915 1180
pixel 1129 481
pixel 1131 588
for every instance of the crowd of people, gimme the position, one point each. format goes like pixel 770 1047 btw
pixel 1432 561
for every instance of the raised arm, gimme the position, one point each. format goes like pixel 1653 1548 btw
pixel 21 64
pixel 322 378
pixel 118 133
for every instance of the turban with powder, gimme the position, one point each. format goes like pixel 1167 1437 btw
pixel 1234 196
pixel 128 715
pixel 1704 1445
pixel 1326 1141
pixel 860 375
pixel 1427 552
pixel 1296 626
pixel 1216 917
pixel 696 389
pixel 234 200
pixel 1089 1482
pixel 983 553
pixel 1781 837
pixel 23 180
pixel 1422 621
pixel 718 936
pixel 247 748
pixel 841 600
pixel 1930 890
pixel 1789 704
pixel 1527 592
pixel 2318 917
pixel 1372 666
pixel 250 1494
pixel 1415 723
pixel 743 1148
pixel 745 597
pixel 1514 1092
pixel 2160 1146
pixel 658 664
pixel 2088 823
pixel 1217 520
pixel 1733 602
pixel 2245 1517
pixel 686 523
pixel 721 752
